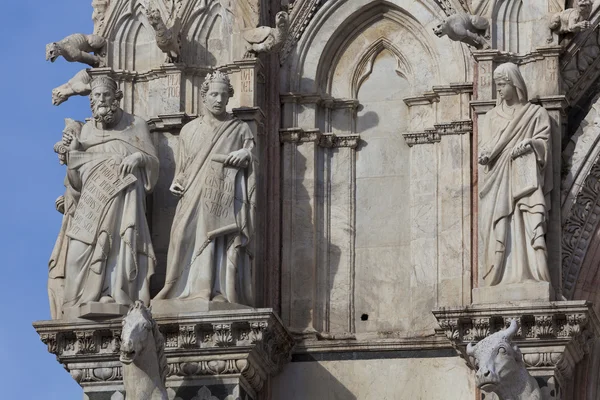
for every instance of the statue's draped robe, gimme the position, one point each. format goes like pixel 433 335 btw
pixel 208 253
pixel 513 226
pixel 120 259
pixel 58 258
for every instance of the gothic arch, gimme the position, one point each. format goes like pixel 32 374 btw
pixel 200 33
pixel 134 45
pixel 366 62
pixel 323 43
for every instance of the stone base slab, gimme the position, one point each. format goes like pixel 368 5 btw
pixel 95 310
pixel 516 292
pixel 183 307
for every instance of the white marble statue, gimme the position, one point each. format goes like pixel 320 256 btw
pixel 112 166
pixel 209 253
pixel 500 367
pixel 264 39
pixel 515 186
pixel 143 356
pixel 572 20
pixel 66 205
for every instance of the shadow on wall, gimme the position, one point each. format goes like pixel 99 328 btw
pixel 161 207
pixel 308 380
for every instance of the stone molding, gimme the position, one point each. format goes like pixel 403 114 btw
pixel 579 227
pixel 301 14
pixel 435 134
pixel 253 344
pixel 553 336
pixel 326 140
pixel 498 56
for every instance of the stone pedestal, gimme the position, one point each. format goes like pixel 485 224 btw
pixel 553 336
pixel 217 355
pixel 516 292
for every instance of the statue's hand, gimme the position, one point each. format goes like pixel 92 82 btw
pixel 60 204
pixel 484 157
pixel 130 163
pixel 238 158
pixel 522 148
pixel 70 140
pixel 583 25
pixel 177 189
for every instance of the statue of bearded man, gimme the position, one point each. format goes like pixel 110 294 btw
pixel 112 166
pixel 210 255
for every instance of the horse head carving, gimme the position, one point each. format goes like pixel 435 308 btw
pixel 143 355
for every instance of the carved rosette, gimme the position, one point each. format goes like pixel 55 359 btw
pixel 553 337
pixel 250 346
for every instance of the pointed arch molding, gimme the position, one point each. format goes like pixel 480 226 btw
pixel 364 67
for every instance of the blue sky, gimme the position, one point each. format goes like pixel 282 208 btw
pixel 32 180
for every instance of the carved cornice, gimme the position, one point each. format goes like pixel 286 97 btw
pixel 579 227
pixel 253 343
pixel 169 122
pixel 299 135
pixel 331 140
pixel 434 135
pixel 499 56
pixel 327 140
pixel 552 336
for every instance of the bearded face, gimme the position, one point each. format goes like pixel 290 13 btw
pixel 105 103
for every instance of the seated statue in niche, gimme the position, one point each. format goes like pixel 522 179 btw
pixel 516 184
pixel 112 166
pixel 210 255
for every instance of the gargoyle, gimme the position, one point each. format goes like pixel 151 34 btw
pixel 462 27
pixel 500 367
pixel 77 47
pixel 265 39
pixel 80 84
pixel 168 41
pixel 571 20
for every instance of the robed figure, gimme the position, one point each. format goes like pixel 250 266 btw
pixel 516 185
pixel 112 166
pixel 210 254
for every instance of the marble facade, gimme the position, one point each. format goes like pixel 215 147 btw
pixel 368 257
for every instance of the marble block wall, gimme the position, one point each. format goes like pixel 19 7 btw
pixel 376 171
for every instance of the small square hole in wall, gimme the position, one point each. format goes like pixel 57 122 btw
pixel 364 317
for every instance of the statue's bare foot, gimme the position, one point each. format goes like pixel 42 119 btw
pixel 106 300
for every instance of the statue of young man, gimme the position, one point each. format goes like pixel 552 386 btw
pixel 516 184
pixel 209 255
pixel 112 166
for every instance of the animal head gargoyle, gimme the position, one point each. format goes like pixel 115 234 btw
pixel 496 359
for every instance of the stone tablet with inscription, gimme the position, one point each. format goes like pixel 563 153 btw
pixel 524 175
pixel 218 196
pixel 102 186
